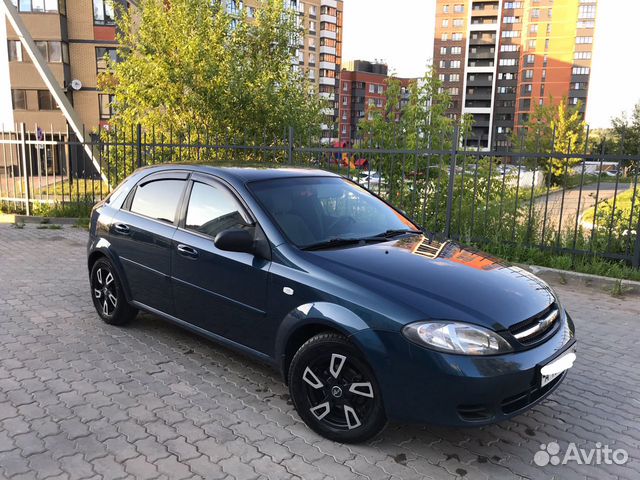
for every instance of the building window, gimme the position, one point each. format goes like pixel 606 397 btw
pixel 312 26
pixel 533 28
pixel 528 74
pixel 454 64
pixel 345 86
pixel 313 11
pixel 458 22
pixel 454 77
pixel 454 91
pixel 584 40
pixel 580 70
pixel 103 13
pixel 443 64
pixel 105 105
pixel 586 24
pixel 508 62
pixel 19 99
pixel 15 51
pixel 510 33
pixel 511 20
pixel 456 50
pixel 530 59
pixel 441 77
pixel 582 55
pixel 312 42
pixel 587 11
pixel 574 100
pixel 458 8
pixel 512 5
pixel 380 89
pixel 509 48
pixel 445 37
pixel 445 23
pixel 445 8
pixel 39 6
pixel 330 27
pixel 102 54
pixel 456 37
pixel 443 50
pixel 532 44
pixel 312 58
pixel 54 52
pixel 46 101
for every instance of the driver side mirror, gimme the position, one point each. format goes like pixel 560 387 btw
pixel 235 240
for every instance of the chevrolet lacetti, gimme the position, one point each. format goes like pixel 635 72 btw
pixel 368 318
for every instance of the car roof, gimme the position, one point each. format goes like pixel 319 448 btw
pixel 246 174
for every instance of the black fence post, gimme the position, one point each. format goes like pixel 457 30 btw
pixel 23 154
pixel 290 146
pixel 139 145
pixel 452 173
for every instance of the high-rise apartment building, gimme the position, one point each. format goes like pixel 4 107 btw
pixel 319 53
pixel 500 59
pixel 75 35
pixel 363 87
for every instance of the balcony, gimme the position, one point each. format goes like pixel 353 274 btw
pixel 327 65
pixel 328 18
pixel 328 81
pixel 329 3
pixel 483 40
pixel 484 55
pixel 328 34
pixel 329 50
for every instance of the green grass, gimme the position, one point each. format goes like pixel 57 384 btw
pixel 580 263
pixel 623 204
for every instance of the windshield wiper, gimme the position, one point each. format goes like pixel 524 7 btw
pixel 341 242
pixel 395 233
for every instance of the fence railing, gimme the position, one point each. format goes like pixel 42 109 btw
pixel 576 203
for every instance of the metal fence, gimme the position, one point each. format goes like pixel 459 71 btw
pixel 590 205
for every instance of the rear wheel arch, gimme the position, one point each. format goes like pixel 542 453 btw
pixel 96 255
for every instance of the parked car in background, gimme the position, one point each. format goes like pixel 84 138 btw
pixel 366 318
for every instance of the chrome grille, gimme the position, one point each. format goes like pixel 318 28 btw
pixel 537 327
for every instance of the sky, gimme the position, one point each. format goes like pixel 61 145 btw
pixel 402 36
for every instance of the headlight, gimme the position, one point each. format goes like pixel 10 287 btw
pixel 456 337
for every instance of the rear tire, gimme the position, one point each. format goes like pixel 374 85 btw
pixel 108 295
pixel 335 391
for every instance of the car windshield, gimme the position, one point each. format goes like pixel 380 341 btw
pixel 312 211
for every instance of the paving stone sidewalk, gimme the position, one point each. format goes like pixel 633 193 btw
pixel 81 399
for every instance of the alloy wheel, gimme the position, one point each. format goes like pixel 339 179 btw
pixel 105 292
pixel 338 393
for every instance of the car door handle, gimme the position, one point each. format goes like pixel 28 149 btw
pixel 121 228
pixel 186 251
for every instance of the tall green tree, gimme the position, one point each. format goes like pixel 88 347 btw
pixel 554 128
pixel 626 133
pixel 190 66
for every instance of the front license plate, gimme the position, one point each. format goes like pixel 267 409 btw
pixel 555 368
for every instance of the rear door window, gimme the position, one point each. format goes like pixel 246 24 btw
pixel 158 199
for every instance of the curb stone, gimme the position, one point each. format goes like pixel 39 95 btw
pixel 630 287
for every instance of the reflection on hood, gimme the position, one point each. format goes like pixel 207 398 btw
pixel 434 249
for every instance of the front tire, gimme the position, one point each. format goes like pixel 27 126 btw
pixel 335 391
pixel 108 295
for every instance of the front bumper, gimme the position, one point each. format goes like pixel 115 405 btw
pixel 420 385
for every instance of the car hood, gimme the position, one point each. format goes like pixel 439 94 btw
pixel 440 281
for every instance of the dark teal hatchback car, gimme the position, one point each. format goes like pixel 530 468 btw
pixel 366 317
